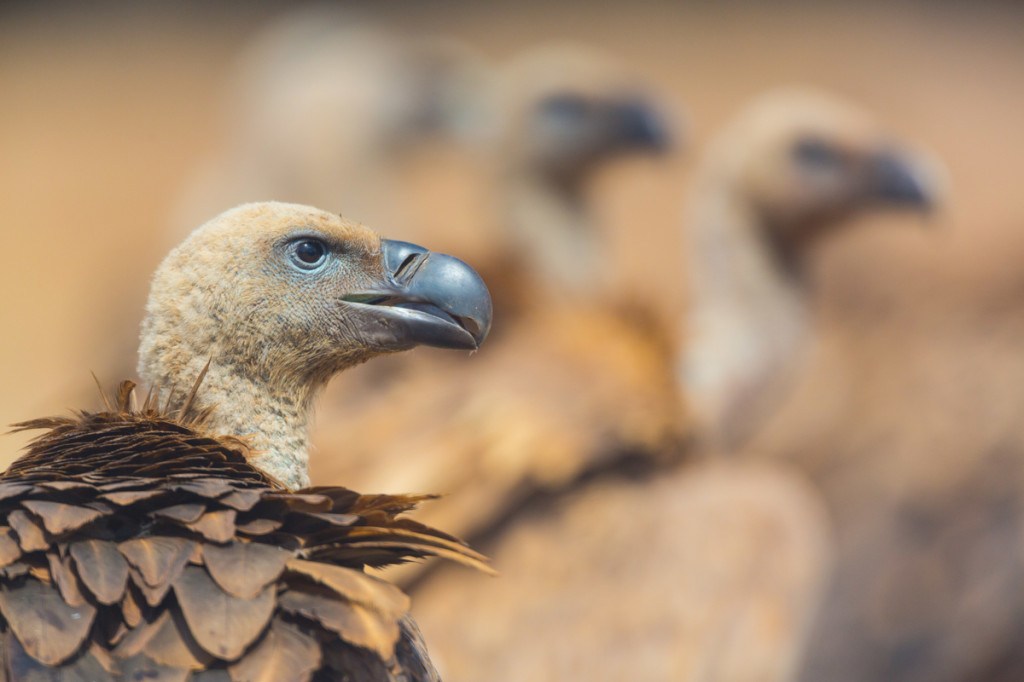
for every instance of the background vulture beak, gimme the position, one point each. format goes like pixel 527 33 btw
pixel 899 177
pixel 641 125
pixel 428 299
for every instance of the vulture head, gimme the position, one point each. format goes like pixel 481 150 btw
pixel 320 88
pixel 803 162
pixel 277 298
pixel 569 113
pixel 792 167
pixel 571 110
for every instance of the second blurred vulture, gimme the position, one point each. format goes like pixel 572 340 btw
pixel 567 114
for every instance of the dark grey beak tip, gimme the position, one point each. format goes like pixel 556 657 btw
pixel 459 291
pixel 452 299
pixel 643 126
pixel 899 181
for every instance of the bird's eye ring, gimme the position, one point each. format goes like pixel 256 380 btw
pixel 308 254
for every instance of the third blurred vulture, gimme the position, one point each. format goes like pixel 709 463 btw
pixel 795 166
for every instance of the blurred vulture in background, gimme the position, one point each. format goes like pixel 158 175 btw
pixel 908 423
pixel 325 109
pixel 794 167
pixel 699 570
pixel 567 114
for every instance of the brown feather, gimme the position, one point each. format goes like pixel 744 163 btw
pixel 58 517
pixel 244 569
pixel 102 569
pixel 163 642
pixel 9 550
pixel 66 579
pixel 284 655
pixel 222 624
pixel 218 526
pixel 48 628
pixel 354 586
pixel 158 559
pixel 355 623
pixel 30 534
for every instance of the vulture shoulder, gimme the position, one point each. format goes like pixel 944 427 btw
pixel 708 572
pixel 136 545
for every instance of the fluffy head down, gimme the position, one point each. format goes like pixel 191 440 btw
pixel 231 292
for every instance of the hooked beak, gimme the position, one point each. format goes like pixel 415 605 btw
pixel 641 125
pixel 427 299
pixel 899 177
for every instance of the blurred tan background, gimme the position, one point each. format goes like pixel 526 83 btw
pixel 908 424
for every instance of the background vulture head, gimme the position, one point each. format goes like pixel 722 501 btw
pixel 804 162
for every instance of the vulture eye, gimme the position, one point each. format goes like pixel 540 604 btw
pixel 815 153
pixel 308 254
pixel 569 108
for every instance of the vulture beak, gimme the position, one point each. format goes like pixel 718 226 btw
pixel 427 299
pixel 640 125
pixel 898 177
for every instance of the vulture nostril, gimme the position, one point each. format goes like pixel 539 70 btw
pixel 409 266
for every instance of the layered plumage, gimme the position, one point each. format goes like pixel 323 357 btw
pixel 159 542
pixel 139 546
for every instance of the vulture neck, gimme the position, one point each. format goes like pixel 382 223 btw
pixel 747 317
pixel 273 420
pixel 549 227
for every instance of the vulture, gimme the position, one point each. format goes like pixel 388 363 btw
pixel 177 539
pixel 569 114
pixel 691 568
pixel 326 108
pixel 793 167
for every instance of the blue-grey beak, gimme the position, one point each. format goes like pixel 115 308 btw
pixel 641 125
pixel 897 179
pixel 427 299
